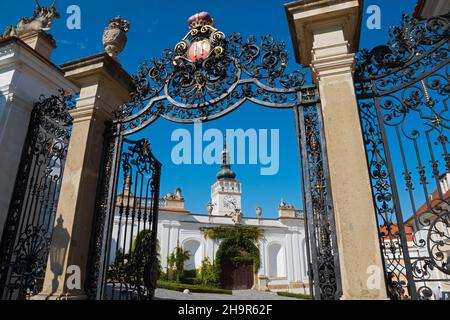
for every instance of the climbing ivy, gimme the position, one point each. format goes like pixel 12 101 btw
pixel 238 245
pixel 225 232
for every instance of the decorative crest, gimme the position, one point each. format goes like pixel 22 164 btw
pixel 208 75
pixel 202 42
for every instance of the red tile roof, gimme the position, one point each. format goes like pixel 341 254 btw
pixel 394 230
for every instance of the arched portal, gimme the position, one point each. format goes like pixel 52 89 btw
pixel 238 262
pixel 277 267
pixel 186 85
pixel 195 254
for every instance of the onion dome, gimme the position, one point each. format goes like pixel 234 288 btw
pixel 225 172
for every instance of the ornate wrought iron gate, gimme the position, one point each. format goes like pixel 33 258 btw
pixel 26 237
pixel 205 77
pixel 320 227
pixel 124 264
pixel 403 91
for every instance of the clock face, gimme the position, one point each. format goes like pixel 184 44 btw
pixel 230 202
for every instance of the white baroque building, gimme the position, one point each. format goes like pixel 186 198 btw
pixel 283 257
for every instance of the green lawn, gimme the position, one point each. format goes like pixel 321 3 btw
pixel 175 286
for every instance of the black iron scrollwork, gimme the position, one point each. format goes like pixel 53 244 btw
pixel 319 214
pixel 403 91
pixel 407 41
pixel 25 241
pixel 208 75
pixel 126 269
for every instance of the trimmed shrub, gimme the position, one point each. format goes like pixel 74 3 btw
pixel 193 288
pixel 207 275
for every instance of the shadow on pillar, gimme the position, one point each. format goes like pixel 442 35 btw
pixel 58 252
pixel 5 197
pixel 2 102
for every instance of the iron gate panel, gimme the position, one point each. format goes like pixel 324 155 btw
pixel 186 89
pixel 319 217
pixel 29 225
pixel 127 269
pixel 403 90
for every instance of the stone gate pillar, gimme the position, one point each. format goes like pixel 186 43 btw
pixel 104 86
pixel 325 36
pixel 26 72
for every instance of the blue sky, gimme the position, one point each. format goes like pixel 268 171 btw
pixel 157 25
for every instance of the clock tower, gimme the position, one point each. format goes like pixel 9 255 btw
pixel 226 192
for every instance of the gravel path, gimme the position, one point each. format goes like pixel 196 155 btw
pixel 163 294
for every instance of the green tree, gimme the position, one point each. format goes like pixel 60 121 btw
pixel 130 267
pixel 239 245
pixel 141 251
pixel 176 263
pixel 206 274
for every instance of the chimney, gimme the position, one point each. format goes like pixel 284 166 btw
pixel 41 42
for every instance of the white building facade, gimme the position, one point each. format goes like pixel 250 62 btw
pixel 283 249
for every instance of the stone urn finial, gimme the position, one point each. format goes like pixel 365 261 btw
pixel 114 36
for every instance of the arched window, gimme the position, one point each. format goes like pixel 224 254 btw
pixel 195 259
pixel 276 265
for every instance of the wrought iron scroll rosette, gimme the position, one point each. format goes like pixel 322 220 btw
pixel 407 41
pixel 438 242
pixel 208 75
pixel 415 47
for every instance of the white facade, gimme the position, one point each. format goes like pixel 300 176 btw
pixel 283 257
pixel 282 248
pixel 25 75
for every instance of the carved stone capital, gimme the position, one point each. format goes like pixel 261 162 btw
pixel 104 84
pixel 309 19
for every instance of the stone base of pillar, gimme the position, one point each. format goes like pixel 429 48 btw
pixel 54 297
pixel 347 297
pixel 261 283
